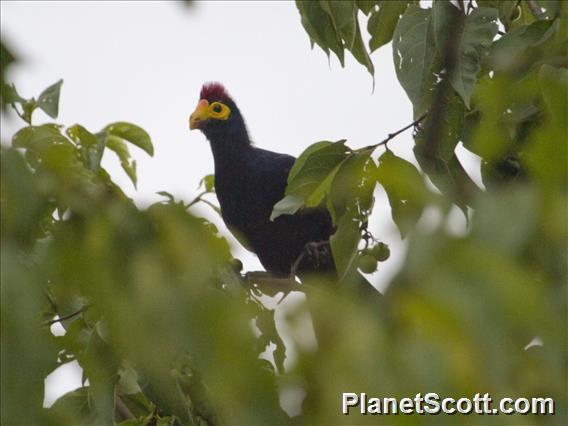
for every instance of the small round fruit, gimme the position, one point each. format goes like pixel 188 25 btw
pixel 237 265
pixel 367 264
pixel 381 252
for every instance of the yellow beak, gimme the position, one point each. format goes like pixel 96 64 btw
pixel 200 115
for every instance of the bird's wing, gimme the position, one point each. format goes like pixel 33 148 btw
pixel 240 238
pixel 273 168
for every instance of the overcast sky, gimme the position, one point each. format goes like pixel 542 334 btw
pixel 145 62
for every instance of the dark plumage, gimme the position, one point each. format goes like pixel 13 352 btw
pixel 249 181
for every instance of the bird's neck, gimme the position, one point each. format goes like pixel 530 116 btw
pixel 230 148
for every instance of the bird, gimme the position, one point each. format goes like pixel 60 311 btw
pixel 249 181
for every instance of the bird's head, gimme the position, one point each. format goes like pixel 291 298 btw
pixel 215 110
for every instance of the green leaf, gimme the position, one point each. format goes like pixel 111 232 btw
pixel 301 160
pixel 473 37
pixel 138 404
pixel 319 27
pixel 552 8
pixel 208 182
pixel 10 95
pixel 28 108
pixel 546 156
pixel 554 86
pixel 48 100
pixel 508 9
pixel 450 127
pixel 366 6
pixel 128 381
pixel 405 190
pixel 352 187
pixel 37 137
pixel 310 178
pixel 518 49
pixel 290 204
pixel 131 133
pixel 448 176
pixel 359 51
pixel 81 136
pixel 8 92
pixel 171 199
pixel 447 22
pixel 498 207
pixel 119 147
pixel 73 408
pixel 315 165
pixel 414 56
pixel 267 327
pixel 23 204
pixel 344 244
pixel 343 15
pixel 382 23
pixel 91 146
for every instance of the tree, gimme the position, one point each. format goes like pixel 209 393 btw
pixel 158 313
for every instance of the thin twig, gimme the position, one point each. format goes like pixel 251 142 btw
pixel 20 115
pixel 395 134
pixel 196 199
pixel 518 4
pixel 210 204
pixel 272 283
pixel 200 198
pixel 535 9
pixel 296 264
pixel 122 409
pixel 66 317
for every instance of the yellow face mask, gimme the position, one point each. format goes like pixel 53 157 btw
pixel 206 111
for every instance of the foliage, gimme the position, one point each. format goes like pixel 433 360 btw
pixel 167 327
pixel 148 298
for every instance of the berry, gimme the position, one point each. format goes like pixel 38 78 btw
pixel 367 263
pixel 381 252
pixel 237 265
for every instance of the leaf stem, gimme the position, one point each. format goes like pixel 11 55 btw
pixel 200 198
pixel 395 134
pixel 196 200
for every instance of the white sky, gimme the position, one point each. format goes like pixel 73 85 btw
pixel 145 62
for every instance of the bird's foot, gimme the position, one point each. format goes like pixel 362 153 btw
pixel 316 253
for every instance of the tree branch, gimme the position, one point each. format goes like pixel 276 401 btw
pixel 66 317
pixel 429 150
pixel 270 284
pixel 470 6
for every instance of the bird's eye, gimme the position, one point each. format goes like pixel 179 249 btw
pixel 217 108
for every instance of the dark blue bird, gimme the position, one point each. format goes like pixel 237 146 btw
pixel 249 181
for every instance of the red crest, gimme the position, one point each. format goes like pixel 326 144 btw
pixel 214 92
